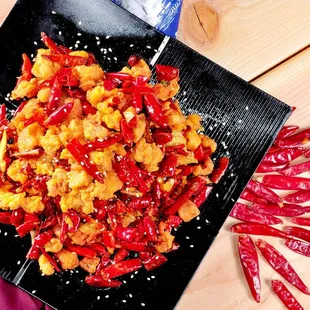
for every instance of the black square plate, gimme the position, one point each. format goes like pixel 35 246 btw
pixel 241 118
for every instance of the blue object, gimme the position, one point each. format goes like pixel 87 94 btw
pixel 162 14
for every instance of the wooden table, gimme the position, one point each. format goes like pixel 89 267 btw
pixel 267 43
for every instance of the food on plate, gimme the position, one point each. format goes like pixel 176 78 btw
pixel 100 167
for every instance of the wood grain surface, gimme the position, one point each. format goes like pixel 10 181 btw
pixel 246 37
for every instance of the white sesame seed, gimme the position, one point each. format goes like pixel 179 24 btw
pixel 31 55
pixel 86 156
pixel 85 46
pixel 232 200
pixel 246 107
pixel 210 128
pixel 240 121
pixel 199 227
pixel 67 282
pixel 191 246
pixel 228 133
pixel 124 282
pixel 136 272
pixel 60 33
pixel 79 34
pixel 98 42
pixel 35 43
pixel 76 46
pixel 198 218
pixel 107 37
pixel 217 195
pixel 53 12
pixel 115 58
pixel 107 296
pixel 97 38
pixel 130 295
pixel 65 110
pixel 132 276
pixel 148 47
pixel 98 297
pixel 155 50
pixel 231 174
pixel 82 163
pixel 78 42
pixel 18 263
pixel 142 304
pixel 101 49
pixel 153 277
pixel 131 45
pixel 80 23
pixel 124 301
pixel 90 145
pixel 70 48
pixel 187 237
pixel 148 279
pixel 224 124
pixel 5 234
pixel 207 222
pixel 33 292
pixel 110 49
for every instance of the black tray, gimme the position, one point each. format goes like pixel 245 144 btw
pixel 241 118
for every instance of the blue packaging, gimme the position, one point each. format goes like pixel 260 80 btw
pixel 162 14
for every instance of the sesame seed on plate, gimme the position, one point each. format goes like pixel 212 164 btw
pixel 107 296
pixel 191 246
pixel 130 295
pixel 131 45
pixel 107 37
pixel 67 282
pixel 5 234
pixel 33 292
pixel 79 34
pixel 142 304
pixel 80 23
pixel 60 33
pixel 97 38
pixel 53 12
pixel 187 237
pixel 199 227
pixel 98 297
pixel 35 42
pixel 247 108
pixel 124 301
pixel 148 47
pixel 86 46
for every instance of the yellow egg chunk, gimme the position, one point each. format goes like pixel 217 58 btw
pixel 29 137
pixel 15 171
pixel 45 266
pixel 44 68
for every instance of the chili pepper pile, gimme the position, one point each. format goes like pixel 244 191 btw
pixel 266 205
pixel 100 167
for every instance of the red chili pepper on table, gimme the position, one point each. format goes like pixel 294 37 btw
pixel 279 263
pixel 284 182
pixel 249 261
pixel 220 169
pixel 287 210
pixel 298 232
pixel 67 60
pixel 264 192
pixel 202 195
pixel 287 131
pixel 98 281
pixel 60 114
pixel 249 196
pixel 283 156
pixel 162 136
pixel 154 110
pixel 296 169
pixel 260 230
pixel 154 261
pixel 298 197
pixel 136 246
pixel 81 250
pixel 102 143
pixel 50 259
pixel 57 49
pixel 285 295
pixel 166 73
pixel 264 168
pixel 77 150
pixel 244 213
pixel 26 70
pixel 302 135
pixel 5 218
pixel 298 246
pixel 303 221
pixel 121 268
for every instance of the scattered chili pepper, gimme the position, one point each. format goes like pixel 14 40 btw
pixel 17 217
pixel 298 246
pixel 68 77
pixel 162 136
pixel 303 221
pixel 55 95
pixel 121 268
pixel 49 222
pixel 26 70
pixel 120 255
pixel 202 195
pixel 136 246
pixel 91 59
pixel 5 218
pixel 244 213
pixel 260 230
pixel 98 281
pixel 137 101
pixel 264 168
pixel 122 76
pixel 34 253
pixel 102 143
pixel 201 153
pixel 125 233
pixel 78 152
pixel 75 219
pixel 285 295
pixel 298 232
pixel 76 93
pixel 88 108
pixel 178 149
pixel 60 114
pixel 154 261
pixel 301 136
pixel 287 210
pixel 296 169
pixel 307 154
pixel 168 165
pixel 166 73
pixel 126 132
pixel 109 239
pixel 284 182
pixel 31 222
pixel 154 110
pixel 249 261
pixel 298 197
pixel 57 49
pixel 81 250
pixel 20 107
pixel 133 60
pixel 289 143
pixel 43 238
pixel 283 156
pixel 264 192
pixel 134 169
pixel 50 259
pixel 279 263
pixel 220 169
pixel 150 228
pixel 287 131
pixel 249 196
pixel 67 60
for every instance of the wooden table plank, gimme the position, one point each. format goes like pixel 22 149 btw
pixel 219 282
pixel 246 37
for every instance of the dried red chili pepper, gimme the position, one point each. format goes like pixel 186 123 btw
pixel 150 228
pixel 91 59
pixel 120 255
pixel 301 136
pixel 133 60
pixel 20 107
pixel 287 210
pixel 287 131
pixel 249 261
pixel 125 233
pixel 168 165
pixel 284 182
pixel 136 246
pixel 220 169
pixel 244 213
pixel 202 195
pixel 50 259
pixel 108 239
pixel 76 93
pixel 178 149
pixel 296 169
pixel 285 295
pixel 289 143
pixel 298 232
pixel 17 217
pixel 99 249
pixel 249 196
pixel 166 73
pixel 201 153
pixel 88 108
pixel 298 197
pixel 264 168
pixel 55 95
pixel 154 261
pixel 122 76
pixel 31 222
pixel 67 60
pixel 303 221
pixel 134 169
pixel 124 172
pixel 154 110
pixel 126 132
pixel 49 222
pixel 264 192
pixel 259 229
pixel 279 263
pixel 33 253
pixel 50 44
pixel 3 120
pixel 5 218
pixel 98 281
pixel 75 219
pixel 283 156
pixel 60 114
pixel 162 136
pixel 298 246
pixel 121 268
pixel 26 70
pixel 81 250
pixel 68 77
pixel 33 154
pixel 43 238
pixel 102 143
pixel 77 150
pixel 307 154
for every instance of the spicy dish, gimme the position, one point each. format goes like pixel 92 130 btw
pixel 100 167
